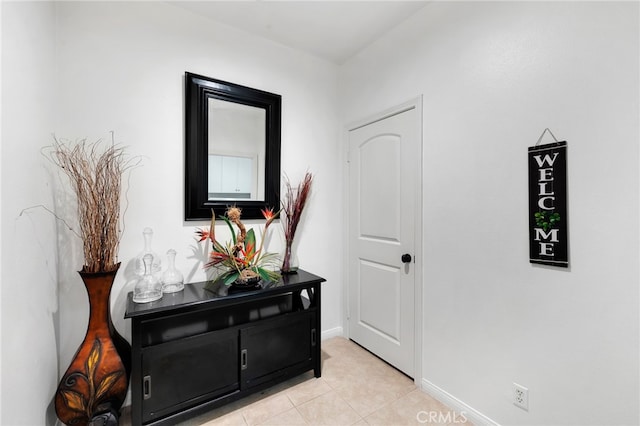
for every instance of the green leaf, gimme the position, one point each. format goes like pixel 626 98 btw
pixel 231 276
pixel 263 274
pixel 250 243
pixel 268 275
pixel 217 247
pixel 233 232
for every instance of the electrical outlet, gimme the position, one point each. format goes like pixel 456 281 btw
pixel 521 396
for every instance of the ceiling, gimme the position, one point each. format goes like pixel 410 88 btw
pixel 333 30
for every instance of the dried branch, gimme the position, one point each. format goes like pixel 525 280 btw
pixel 96 178
pixel 47 209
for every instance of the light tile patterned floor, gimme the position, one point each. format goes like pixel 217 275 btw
pixel 356 388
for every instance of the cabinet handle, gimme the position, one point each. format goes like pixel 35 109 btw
pixel 243 359
pixel 146 387
pixel 313 337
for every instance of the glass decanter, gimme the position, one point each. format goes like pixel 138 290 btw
pixel 147 234
pixel 148 288
pixel 172 279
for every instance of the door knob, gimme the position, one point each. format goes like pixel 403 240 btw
pixel 406 258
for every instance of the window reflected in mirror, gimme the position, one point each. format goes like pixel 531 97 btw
pixel 233 178
pixel 236 148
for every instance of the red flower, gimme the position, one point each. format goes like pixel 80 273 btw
pixel 218 255
pixel 215 258
pixel 269 215
pixel 203 234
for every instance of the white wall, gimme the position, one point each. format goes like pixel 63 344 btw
pixel 29 370
pixel 121 67
pixel 494 75
pixel 83 69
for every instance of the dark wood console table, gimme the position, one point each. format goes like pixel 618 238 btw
pixel 196 349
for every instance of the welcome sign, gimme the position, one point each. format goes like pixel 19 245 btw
pixel 548 243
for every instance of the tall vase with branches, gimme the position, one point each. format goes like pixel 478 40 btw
pixel 295 198
pixel 96 382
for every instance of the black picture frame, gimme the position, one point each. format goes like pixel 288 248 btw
pixel 198 90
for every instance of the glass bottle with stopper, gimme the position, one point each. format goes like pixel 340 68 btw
pixel 148 288
pixel 172 279
pixel 147 234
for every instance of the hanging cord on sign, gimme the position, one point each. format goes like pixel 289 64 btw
pixel 542 135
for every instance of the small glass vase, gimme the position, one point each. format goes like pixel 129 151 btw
pixel 172 279
pixel 290 261
pixel 148 288
pixel 156 266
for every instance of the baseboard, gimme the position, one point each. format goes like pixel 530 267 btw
pixel 332 332
pixel 473 415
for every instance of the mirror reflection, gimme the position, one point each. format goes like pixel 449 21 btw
pixel 236 151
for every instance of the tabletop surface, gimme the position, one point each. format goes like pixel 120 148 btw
pixel 195 295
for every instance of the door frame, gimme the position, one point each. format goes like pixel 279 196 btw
pixel 414 103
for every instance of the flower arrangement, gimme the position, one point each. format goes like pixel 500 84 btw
pixel 292 206
pixel 241 259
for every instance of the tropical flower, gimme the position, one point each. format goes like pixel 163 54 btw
pixel 269 215
pixel 203 234
pixel 241 258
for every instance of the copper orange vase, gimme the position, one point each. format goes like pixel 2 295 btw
pixel 95 384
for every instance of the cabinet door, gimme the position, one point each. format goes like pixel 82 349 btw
pixel 244 174
pixel 230 176
pixel 237 174
pixel 275 348
pixel 183 373
pixel 214 174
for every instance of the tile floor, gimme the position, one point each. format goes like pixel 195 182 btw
pixel 356 388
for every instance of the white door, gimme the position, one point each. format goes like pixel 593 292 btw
pixel 384 194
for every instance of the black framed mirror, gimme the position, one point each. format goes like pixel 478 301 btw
pixel 232 148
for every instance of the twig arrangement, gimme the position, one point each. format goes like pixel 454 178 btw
pixel 96 178
pixel 294 201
